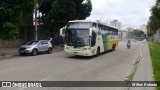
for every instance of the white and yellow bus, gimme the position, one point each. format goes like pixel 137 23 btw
pixel 88 38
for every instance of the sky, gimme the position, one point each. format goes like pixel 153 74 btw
pixel 131 13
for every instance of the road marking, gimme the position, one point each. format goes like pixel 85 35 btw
pixel 134 68
pixel 89 62
pixel 131 68
pixel 141 54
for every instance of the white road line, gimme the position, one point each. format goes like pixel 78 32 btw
pixel 131 68
pixel 141 54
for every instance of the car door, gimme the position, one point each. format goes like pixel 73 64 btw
pixel 41 46
pixel 46 45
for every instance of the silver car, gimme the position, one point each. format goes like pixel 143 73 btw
pixel 35 47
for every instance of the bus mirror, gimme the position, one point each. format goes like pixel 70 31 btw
pixel 90 32
pixel 62 30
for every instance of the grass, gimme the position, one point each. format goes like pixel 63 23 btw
pixel 131 76
pixel 155 57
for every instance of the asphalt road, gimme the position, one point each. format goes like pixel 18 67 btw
pixel 109 66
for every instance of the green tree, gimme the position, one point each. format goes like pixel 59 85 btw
pixel 83 8
pixel 56 13
pixel 154 20
pixel 11 13
pixel 137 34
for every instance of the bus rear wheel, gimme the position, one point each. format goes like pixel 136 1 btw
pixel 113 47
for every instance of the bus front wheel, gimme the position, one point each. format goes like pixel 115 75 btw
pixel 98 52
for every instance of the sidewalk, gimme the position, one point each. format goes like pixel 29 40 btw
pixel 144 70
pixel 11 52
pixel 8 52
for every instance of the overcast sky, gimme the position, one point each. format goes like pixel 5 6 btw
pixel 131 13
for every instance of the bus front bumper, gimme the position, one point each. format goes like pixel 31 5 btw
pixel 80 53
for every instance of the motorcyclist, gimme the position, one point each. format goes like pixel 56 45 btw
pixel 128 44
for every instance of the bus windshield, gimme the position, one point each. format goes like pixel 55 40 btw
pixel 78 37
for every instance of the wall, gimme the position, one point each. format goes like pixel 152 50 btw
pixel 157 37
pixel 12 43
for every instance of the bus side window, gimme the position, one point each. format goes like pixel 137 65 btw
pixel 93 40
pixel 108 33
pixel 99 27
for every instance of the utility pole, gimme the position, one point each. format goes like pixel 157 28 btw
pixel 36 32
pixel 36 9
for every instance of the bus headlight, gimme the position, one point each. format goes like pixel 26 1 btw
pixel 66 48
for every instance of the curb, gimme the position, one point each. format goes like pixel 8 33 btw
pixel 133 68
pixel 8 56
pixel 16 54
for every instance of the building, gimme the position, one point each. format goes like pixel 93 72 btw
pixel 122 34
pixel 116 24
pixel 129 30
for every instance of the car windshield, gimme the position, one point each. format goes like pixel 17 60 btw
pixel 32 42
pixel 77 37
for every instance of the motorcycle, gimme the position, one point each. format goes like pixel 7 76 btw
pixel 128 46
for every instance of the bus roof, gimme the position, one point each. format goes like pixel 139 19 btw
pixel 99 22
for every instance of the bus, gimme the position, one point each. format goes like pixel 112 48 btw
pixel 88 38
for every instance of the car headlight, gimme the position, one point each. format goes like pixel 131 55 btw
pixel 28 47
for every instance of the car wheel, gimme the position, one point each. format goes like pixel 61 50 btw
pixel 34 52
pixel 49 50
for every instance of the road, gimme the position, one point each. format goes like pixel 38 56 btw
pixel 109 66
